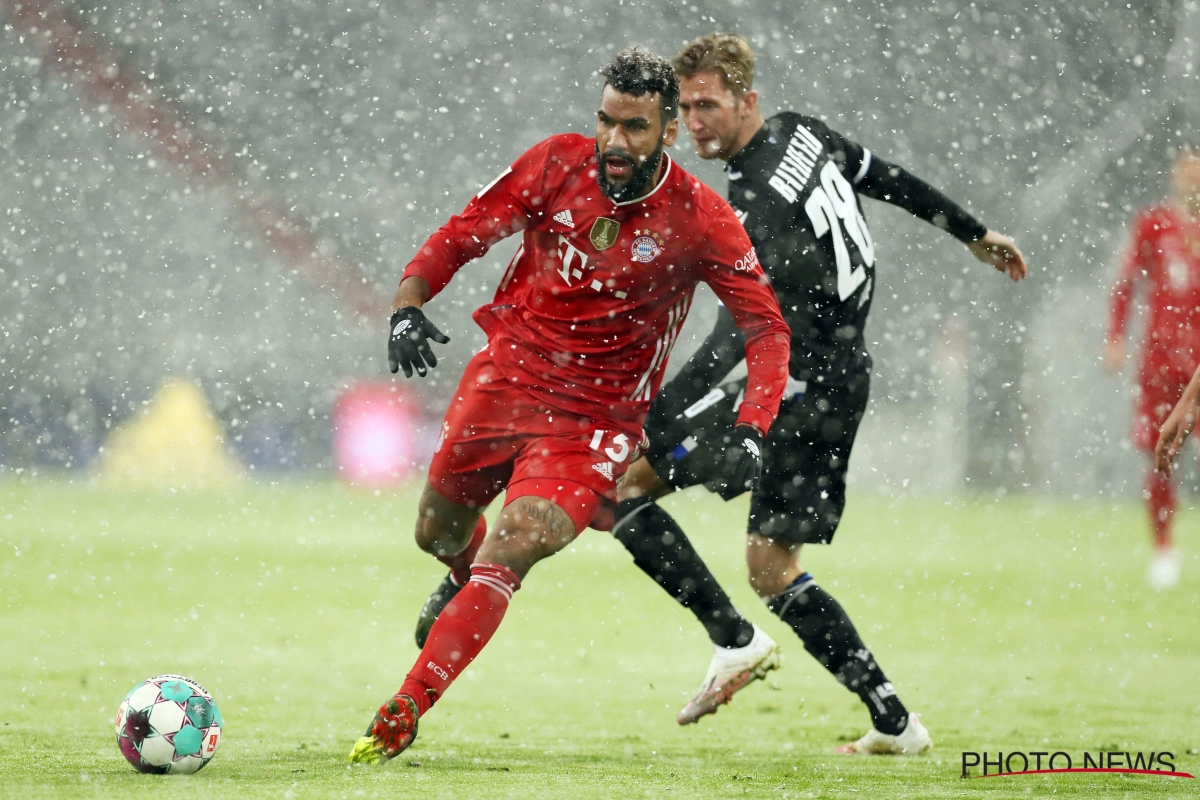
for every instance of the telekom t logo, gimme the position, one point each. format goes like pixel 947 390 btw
pixel 570 255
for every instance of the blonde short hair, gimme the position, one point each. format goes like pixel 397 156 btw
pixel 724 53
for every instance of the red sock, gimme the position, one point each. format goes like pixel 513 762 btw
pixel 1159 493
pixel 460 633
pixel 460 564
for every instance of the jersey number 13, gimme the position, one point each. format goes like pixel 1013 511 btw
pixel 833 208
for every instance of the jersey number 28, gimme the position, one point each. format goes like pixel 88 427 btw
pixel 832 207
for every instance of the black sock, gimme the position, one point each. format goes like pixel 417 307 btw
pixel 829 635
pixel 662 551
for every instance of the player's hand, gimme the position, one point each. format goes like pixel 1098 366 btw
pixel 740 464
pixel 1175 431
pixel 1002 253
pixel 1114 356
pixel 408 343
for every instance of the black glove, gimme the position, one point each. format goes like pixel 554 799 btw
pixel 740 463
pixel 408 344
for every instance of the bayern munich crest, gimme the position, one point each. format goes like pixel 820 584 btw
pixel 646 246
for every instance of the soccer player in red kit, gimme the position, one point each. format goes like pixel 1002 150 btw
pixel 1163 257
pixel 615 238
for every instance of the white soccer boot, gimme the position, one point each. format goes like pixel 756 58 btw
pixel 731 669
pixel 1164 569
pixel 912 741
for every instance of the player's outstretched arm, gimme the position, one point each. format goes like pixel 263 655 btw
pixel 1002 253
pixel 1178 426
pixel 500 209
pixel 882 180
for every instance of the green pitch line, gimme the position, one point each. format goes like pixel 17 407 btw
pixel 1024 625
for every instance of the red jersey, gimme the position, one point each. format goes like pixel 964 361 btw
pixel 586 315
pixel 1163 254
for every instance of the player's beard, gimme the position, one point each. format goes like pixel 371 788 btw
pixel 640 175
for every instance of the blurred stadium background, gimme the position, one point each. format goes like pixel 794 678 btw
pixel 222 196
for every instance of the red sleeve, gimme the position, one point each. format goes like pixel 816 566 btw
pixel 1132 267
pixel 730 266
pixel 501 208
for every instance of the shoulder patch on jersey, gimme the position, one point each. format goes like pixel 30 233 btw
pixel 747 263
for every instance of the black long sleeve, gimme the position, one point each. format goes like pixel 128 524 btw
pixel 715 358
pixel 896 185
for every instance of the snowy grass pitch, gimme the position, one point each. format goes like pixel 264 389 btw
pixel 1023 625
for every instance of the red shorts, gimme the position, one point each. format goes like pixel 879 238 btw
pixel 1160 388
pixel 497 437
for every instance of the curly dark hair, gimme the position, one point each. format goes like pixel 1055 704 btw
pixel 637 71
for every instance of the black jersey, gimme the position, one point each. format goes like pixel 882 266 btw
pixel 795 186
pixel 792 186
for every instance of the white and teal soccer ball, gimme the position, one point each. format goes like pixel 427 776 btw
pixel 168 724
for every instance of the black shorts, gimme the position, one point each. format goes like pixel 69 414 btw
pixel 802 492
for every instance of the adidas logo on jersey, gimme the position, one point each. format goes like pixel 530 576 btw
pixel 564 217
pixel 605 468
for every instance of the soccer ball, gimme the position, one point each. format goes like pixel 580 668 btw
pixel 168 724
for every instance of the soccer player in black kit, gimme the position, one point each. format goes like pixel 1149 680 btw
pixel 795 184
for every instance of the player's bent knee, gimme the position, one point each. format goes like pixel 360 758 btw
pixel 771 564
pixel 640 480
pixel 434 538
pixel 768 585
pixel 443 527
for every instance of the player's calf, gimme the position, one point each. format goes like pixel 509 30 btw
pixel 529 529
pixel 662 550
pixel 742 653
pixel 460 633
pixel 824 628
pixel 460 573
pixel 446 591
pixel 831 638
